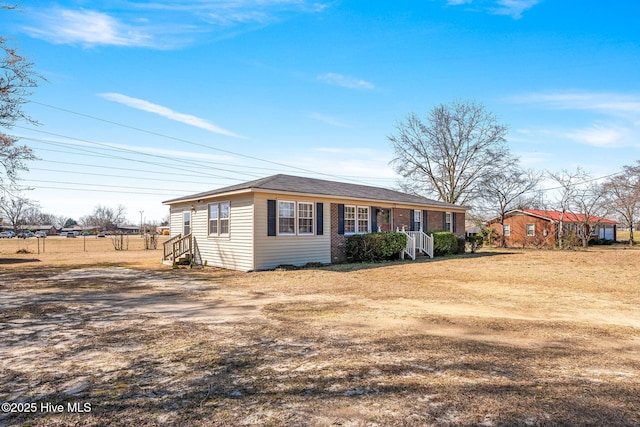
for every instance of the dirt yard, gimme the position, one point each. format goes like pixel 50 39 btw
pixel 497 338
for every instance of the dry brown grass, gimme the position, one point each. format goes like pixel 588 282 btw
pixel 61 251
pixel 500 338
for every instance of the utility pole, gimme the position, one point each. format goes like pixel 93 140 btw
pixel 141 212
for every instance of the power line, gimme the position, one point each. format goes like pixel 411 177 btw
pixel 97 185
pixel 114 176
pixel 109 191
pixel 107 147
pixel 187 141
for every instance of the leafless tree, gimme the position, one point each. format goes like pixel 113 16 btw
pixel 104 218
pixel 568 183
pixel 451 151
pixel 510 188
pixel 590 207
pixel 622 193
pixel 14 209
pixel 581 200
pixel 35 216
pixel 17 80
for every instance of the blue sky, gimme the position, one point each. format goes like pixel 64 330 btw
pixel 147 101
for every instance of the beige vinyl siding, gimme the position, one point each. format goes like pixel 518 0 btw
pixel 271 251
pixel 175 219
pixel 235 250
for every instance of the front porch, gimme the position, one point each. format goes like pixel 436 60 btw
pixel 181 250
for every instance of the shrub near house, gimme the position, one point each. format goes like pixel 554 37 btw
pixel 375 246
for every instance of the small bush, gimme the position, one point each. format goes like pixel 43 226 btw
pixel 474 242
pixel 23 251
pixel 444 243
pixel 375 246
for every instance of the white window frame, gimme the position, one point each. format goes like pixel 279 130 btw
pixel 448 221
pixel 296 218
pixel 219 220
pixel 216 220
pixel 186 222
pixel 224 219
pixel 357 229
pixel 506 230
pixel 532 232
pixel 417 219
pixel 287 233
pixel 352 219
pixel 300 218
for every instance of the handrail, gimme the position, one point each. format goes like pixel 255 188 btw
pixel 182 246
pixel 423 241
pixel 168 246
pixel 410 247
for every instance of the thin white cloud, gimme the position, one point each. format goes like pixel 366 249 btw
pixel 336 79
pixel 615 104
pixel 162 24
pixel 328 120
pixel 85 27
pixel 528 159
pixel 160 110
pixel 513 8
pixel 599 136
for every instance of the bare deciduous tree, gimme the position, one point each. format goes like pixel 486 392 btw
pixel 104 218
pixel 510 188
pixel 17 79
pixel 449 153
pixel 580 200
pixel 568 182
pixel 35 216
pixel 14 209
pixel 590 207
pixel 622 193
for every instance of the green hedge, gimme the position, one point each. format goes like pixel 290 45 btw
pixel 444 243
pixel 375 246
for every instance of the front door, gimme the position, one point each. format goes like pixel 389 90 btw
pixel 383 219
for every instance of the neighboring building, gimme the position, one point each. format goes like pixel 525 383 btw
pixel 471 228
pixel 531 227
pixel 73 228
pixel 285 219
pixel 49 229
pixel 127 229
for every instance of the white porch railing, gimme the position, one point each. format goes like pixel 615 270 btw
pixel 410 248
pixel 421 242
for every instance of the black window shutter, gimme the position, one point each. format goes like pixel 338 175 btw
pixel 424 220
pixel 412 220
pixel 444 221
pixel 319 219
pixel 374 219
pixel 453 221
pixel 271 217
pixel 340 218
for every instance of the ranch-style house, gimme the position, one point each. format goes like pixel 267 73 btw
pixel 533 227
pixel 284 219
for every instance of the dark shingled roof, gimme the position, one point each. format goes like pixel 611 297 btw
pixel 313 186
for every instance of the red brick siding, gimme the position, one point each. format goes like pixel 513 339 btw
pixel 401 218
pixel 518 238
pixel 460 232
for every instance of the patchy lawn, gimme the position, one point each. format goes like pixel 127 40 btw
pixel 499 338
